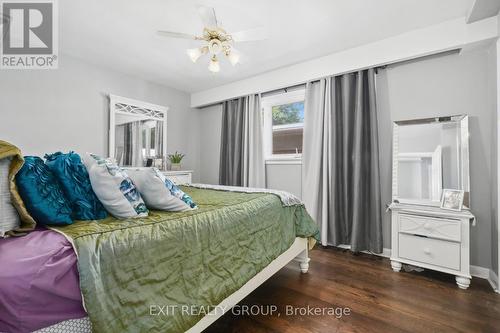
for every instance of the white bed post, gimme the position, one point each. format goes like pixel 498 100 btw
pixel 303 259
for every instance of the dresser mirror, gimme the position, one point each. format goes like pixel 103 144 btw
pixel 430 155
pixel 137 135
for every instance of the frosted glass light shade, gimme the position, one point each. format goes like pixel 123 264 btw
pixel 194 54
pixel 233 57
pixel 214 66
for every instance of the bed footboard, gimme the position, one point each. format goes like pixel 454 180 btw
pixel 297 252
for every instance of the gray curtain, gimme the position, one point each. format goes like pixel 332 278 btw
pixel 127 146
pixel 158 139
pixel 242 152
pixel 132 153
pixel 341 161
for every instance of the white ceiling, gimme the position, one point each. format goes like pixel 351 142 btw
pixel 121 34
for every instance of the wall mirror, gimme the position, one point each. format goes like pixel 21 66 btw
pixel 137 132
pixel 430 155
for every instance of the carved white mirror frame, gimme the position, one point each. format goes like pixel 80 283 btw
pixel 128 106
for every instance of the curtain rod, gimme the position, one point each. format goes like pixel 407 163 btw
pixel 376 68
pixel 382 66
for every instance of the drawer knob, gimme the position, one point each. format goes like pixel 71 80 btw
pixel 427 250
pixel 428 226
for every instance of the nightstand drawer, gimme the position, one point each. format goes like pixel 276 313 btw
pixel 430 227
pixel 430 251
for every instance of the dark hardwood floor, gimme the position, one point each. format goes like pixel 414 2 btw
pixel 379 299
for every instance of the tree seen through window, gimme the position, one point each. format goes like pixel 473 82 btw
pixel 285 114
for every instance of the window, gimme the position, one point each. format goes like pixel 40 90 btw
pixel 283 125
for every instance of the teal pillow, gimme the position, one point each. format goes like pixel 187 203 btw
pixel 75 182
pixel 41 193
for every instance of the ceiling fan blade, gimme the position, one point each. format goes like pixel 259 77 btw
pixel 249 35
pixel 176 34
pixel 207 15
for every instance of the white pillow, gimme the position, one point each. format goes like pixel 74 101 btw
pixel 9 219
pixel 151 184
pixel 116 191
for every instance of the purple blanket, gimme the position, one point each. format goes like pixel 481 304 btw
pixel 39 283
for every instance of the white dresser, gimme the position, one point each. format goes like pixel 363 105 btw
pixel 180 177
pixel 432 238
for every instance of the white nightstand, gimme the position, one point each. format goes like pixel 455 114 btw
pixel 179 177
pixel 432 238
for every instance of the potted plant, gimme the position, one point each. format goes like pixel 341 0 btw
pixel 175 160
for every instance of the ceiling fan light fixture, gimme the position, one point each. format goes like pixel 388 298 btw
pixel 233 56
pixel 214 66
pixel 194 54
pixel 215 46
pixel 216 40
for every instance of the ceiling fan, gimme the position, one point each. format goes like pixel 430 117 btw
pixel 217 40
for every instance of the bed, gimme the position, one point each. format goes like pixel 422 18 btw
pixel 115 275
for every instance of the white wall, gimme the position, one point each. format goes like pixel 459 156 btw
pixel 279 177
pixel 496 154
pixel 45 111
pixel 441 37
pixel 210 122
pixel 440 86
pixel 436 86
pixel 285 177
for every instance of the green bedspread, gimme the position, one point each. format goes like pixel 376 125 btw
pixel 130 269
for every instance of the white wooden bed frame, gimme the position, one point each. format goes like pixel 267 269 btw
pixel 299 251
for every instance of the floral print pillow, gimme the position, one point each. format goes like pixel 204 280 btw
pixel 114 188
pixel 175 190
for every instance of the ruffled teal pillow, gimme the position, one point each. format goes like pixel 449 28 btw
pixel 41 193
pixel 74 179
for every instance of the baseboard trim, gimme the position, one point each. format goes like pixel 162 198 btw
pixel 386 253
pixel 485 273
pixel 480 272
pixel 493 280
pixel 476 271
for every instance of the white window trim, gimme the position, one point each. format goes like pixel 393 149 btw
pixel 267 104
pixel 285 159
